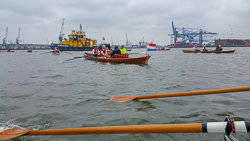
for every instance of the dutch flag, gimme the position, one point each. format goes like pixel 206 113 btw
pixel 151 47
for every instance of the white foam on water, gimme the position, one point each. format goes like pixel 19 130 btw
pixel 9 125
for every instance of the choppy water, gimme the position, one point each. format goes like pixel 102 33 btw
pixel 43 91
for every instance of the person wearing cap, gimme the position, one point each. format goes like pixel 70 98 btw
pixel 123 50
pixel 204 48
pixel 196 47
pixel 56 49
pixel 218 48
pixel 115 51
pixel 104 52
pixel 95 51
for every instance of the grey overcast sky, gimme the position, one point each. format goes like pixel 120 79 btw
pixel 40 20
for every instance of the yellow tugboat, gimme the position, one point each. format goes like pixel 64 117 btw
pixel 76 41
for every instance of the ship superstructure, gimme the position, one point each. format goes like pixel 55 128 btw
pixel 76 41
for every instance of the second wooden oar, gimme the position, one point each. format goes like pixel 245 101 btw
pixel 192 93
pixel 210 127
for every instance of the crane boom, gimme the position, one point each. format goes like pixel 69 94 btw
pixel 5 37
pixel 18 36
pixel 188 36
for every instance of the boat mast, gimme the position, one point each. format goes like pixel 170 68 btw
pixel 126 39
pixel 61 31
pixel 5 37
pixel 18 36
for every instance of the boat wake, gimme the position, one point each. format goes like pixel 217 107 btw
pixel 9 125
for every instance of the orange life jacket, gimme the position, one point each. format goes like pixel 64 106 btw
pixel 96 50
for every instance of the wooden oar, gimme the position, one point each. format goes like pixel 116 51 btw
pixel 192 93
pixel 67 52
pixel 75 58
pixel 210 127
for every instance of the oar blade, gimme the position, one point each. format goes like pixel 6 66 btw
pixel 12 133
pixel 123 99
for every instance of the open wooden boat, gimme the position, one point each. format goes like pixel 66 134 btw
pixel 193 51
pixel 165 49
pixel 134 60
pixel 55 51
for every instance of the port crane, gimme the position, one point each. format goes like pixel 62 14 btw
pixel 5 37
pixel 61 31
pixel 187 37
pixel 18 36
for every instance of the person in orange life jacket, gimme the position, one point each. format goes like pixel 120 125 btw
pixel 101 53
pixel 115 51
pixel 95 51
pixel 107 48
pixel 104 51
pixel 196 47
pixel 56 49
pixel 204 48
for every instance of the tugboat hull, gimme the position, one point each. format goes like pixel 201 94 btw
pixel 69 48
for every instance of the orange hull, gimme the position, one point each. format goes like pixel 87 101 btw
pixel 192 51
pixel 136 60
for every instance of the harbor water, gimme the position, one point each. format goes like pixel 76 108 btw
pixel 39 90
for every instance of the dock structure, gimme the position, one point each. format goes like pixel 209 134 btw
pixel 188 37
pixel 18 45
pixel 233 42
pixel 24 46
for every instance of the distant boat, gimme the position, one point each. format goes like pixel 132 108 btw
pixel 55 51
pixel 162 49
pixel 214 51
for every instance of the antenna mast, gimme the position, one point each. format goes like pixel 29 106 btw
pixel 126 39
